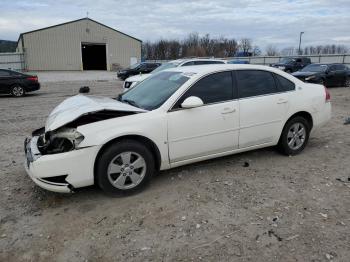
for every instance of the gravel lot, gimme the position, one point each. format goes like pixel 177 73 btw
pixel 256 206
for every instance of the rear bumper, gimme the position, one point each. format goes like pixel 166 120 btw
pixel 77 167
pixel 323 116
pixel 32 87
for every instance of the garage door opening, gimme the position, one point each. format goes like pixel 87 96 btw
pixel 94 56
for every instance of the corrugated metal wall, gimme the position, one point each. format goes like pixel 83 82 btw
pixel 12 61
pixel 59 48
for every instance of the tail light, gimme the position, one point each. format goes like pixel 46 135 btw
pixel 328 95
pixel 33 78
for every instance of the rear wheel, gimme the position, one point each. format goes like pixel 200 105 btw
pixel 17 91
pixel 347 82
pixel 124 167
pixel 295 136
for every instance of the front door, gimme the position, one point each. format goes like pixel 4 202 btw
pixel 209 129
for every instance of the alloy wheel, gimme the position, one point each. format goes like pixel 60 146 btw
pixel 347 82
pixel 296 136
pixel 17 91
pixel 126 170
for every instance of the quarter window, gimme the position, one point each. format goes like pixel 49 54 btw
pixel 255 83
pixel 284 84
pixel 211 89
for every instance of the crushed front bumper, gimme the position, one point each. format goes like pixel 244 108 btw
pixel 74 167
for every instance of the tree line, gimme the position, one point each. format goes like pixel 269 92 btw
pixel 195 45
pixel 272 50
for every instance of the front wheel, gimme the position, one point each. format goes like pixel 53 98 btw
pixel 124 167
pixel 295 136
pixel 17 91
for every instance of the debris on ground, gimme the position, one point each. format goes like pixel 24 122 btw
pixel 84 89
pixel 273 233
pixel 347 121
pixel 246 164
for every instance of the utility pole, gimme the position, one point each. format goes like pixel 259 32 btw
pixel 299 51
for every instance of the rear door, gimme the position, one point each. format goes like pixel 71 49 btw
pixel 333 76
pixel 262 107
pixel 209 129
pixel 6 81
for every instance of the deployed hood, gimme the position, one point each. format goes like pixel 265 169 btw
pixel 76 106
pixel 137 78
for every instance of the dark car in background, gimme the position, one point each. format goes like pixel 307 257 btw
pixel 325 74
pixel 292 64
pixel 145 68
pixel 16 83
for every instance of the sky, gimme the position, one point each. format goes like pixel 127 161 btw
pixel 265 22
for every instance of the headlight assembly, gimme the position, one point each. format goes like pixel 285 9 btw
pixel 59 141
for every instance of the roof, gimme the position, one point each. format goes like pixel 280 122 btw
pixel 206 69
pixel 70 22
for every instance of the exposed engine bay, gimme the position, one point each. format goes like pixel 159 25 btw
pixel 67 138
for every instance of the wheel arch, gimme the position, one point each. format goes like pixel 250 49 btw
pixel 139 138
pixel 303 114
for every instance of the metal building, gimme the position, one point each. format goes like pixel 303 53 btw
pixel 82 44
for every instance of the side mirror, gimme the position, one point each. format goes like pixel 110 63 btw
pixel 191 102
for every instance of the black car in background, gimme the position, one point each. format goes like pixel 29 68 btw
pixel 135 69
pixel 325 74
pixel 292 64
pixel 16 83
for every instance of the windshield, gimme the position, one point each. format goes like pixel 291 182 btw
pixel 154 91
pixel 286 60
pixel 314 68
pixel 164 66
pixel 134 65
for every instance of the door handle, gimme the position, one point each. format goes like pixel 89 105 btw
pixel 228 110
pixel 282 101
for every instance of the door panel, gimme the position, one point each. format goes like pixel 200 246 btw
pixel 261 119
pixel 262 106
pixel 203 130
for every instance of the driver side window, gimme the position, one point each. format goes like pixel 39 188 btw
pixel 214 88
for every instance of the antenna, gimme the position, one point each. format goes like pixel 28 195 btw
pixel 87 14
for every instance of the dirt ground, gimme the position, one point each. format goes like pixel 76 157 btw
pixel 255 206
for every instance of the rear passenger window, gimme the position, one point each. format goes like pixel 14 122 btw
pixel 211 89
pixel 255 83
pixel 284 84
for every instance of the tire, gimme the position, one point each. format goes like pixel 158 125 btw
pixel 347 82
pixel 17 91
pixel 116 172
pixel 289 133
pixel 322 82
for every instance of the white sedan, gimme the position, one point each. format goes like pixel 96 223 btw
pixel 175 117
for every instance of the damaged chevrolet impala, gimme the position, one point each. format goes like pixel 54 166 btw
pixel 175 117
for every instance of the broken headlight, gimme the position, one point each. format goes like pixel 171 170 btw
pixel 59 141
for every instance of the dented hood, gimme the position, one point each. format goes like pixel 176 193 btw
pixel 76 106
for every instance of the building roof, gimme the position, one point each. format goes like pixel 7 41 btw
pixel 85 18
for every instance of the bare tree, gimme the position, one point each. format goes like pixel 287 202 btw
pixel 271 50
pixel 245 45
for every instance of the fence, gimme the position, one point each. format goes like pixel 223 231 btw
pixel 13 61
pixel 267 60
